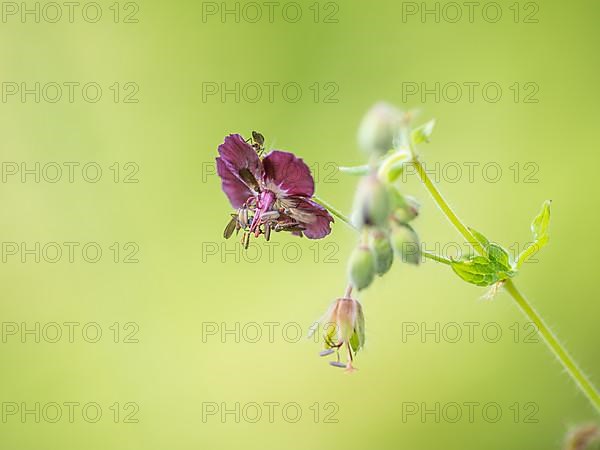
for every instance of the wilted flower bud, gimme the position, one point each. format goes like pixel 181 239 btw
pixel 406 243
pixel 343 323
pixel 379 129
pixel 584 437
pixel 382 250
pixel 372 204
pixel 405 207
pixel 361 267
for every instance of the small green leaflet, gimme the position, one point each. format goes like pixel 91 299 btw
pixel 539 229
pixel 485 270
pixel 539 226
pixel 423 133
pixel 499 257
pixel 480 238
pixel 497 265
pixel 496 253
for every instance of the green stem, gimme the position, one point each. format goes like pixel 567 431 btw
pixel 334 211
pixel 438 258
pixel 554 344
pixel 445 207
pixel 548 336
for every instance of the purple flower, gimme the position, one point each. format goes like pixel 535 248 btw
pixel 270 193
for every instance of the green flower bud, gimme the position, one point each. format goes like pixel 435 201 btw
pixel 406 243
pixel 372 204
pixel 405 209
pixel 380 245
pixel 361 267
pixel 379 129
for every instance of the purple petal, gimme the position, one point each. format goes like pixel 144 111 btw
pixel 289 173
pixel 234 188
pixel 237 154
pixel 327 352
pixel 313 217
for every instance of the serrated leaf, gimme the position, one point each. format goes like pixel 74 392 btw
pixel 495 253
pixel 481 271
pixel 539 229
pixel 423 133
pixel 499 255
pixel 480 237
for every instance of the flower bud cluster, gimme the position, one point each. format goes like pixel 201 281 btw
pixel 383 215
pixel 381 212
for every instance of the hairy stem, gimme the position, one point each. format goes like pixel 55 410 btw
pixel 554 344
pixel 445 207
pixel 548 336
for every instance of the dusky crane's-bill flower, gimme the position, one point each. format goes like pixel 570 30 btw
pixel 270 193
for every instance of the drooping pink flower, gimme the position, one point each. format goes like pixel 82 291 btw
pixel 270 193
pixel 343 325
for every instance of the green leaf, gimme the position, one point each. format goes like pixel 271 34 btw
pixel 423 133
pixel 477 270
pixel 499 256
pixel 482 271
pixel 480 238
pixel 539 229
pixel 539 226
pixel 496 253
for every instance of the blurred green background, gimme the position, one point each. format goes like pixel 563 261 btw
pixel 185 281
